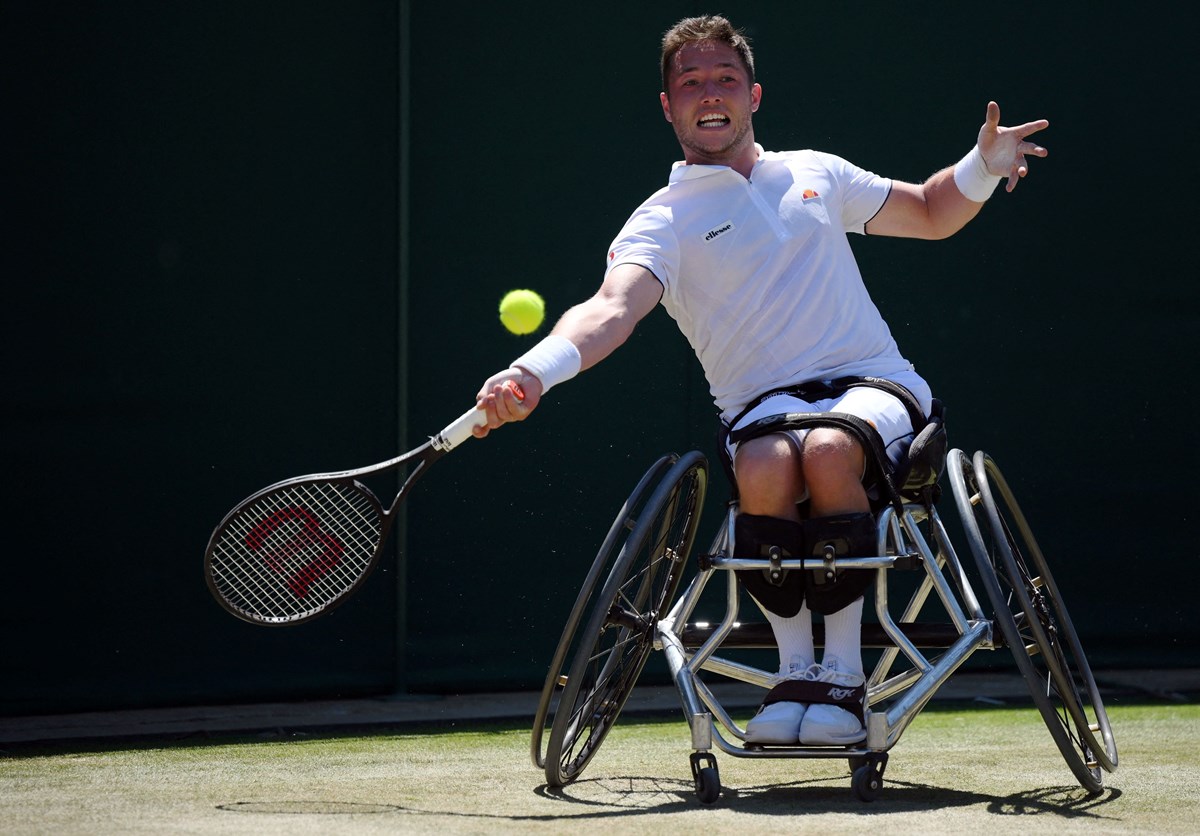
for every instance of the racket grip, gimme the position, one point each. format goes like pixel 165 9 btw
pixel 460 430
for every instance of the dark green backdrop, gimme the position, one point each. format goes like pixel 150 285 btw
pixel 252 240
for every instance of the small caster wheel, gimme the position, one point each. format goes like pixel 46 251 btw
pixel 706 777
pixel 867 779
pixel 856 764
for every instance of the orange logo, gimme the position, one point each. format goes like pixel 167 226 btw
pixel 809 194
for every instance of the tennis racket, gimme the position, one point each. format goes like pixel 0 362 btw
pixel 298 548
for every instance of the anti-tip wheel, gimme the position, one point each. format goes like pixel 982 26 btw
pixel 867 780
pixel 706 777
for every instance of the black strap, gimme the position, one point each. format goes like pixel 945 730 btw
pixel 824 693
pixel 819 390
pixel 916 415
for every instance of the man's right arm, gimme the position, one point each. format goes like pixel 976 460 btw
pixel 600 325
pixel 595 328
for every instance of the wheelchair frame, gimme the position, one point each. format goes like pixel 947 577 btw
pixel 627 608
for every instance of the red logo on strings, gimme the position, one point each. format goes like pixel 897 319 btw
pixel 304 539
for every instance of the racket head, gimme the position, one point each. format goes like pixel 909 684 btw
pixel 295 550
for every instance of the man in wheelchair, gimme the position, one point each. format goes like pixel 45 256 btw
pixel 747 250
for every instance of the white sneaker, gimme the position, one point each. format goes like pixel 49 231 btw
pixel 778 723
pixel 827 724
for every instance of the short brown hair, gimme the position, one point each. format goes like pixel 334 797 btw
pixel 705 28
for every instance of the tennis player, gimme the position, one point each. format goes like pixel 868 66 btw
pixel 747 250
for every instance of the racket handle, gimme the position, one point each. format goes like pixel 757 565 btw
pixel 460 430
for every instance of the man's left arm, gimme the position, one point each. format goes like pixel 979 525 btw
pixel 944 203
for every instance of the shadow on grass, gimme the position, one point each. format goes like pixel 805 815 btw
pixel 659 795
pixel 819 795
pixel 625 797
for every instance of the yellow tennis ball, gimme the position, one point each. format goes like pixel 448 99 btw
pixel 522 311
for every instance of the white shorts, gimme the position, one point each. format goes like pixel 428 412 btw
pixel 884 411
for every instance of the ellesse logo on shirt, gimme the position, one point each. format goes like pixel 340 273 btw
pixel 719 229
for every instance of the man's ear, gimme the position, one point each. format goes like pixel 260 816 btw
pixel 755 97
pixel 666 106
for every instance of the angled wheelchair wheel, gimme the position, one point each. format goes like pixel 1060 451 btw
pixel 585 602
pixel 1031 615
pixel 605 651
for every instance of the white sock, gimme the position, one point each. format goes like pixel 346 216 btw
pixel 843 637
pixel 794 636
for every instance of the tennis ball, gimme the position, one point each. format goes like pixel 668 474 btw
pixel 522 311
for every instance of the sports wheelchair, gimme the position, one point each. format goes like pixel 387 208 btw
pixel 627 607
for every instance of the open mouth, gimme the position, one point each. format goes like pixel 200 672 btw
pixel 713 120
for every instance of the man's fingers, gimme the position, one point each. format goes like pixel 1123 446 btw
pixel 1019 170
pixel 1031 127
pixel 508 406
pixel 991 119
pixel 998 143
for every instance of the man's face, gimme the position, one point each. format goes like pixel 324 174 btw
pixel 709 101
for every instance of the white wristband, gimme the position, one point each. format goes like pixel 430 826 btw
pixel 973 178
pixel 551 361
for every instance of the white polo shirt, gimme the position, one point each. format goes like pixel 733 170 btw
pixel 760 276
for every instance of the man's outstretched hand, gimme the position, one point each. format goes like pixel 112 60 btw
pixel 1004 149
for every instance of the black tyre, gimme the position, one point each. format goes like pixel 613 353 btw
pixel 867 775
pixel 1033 619
pixel 866 782
pixel 708 785
pixel 605 656
pixel 705 777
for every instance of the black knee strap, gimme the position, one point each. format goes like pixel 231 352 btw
pixel 755 536
pixel 849 535
pixel 819 693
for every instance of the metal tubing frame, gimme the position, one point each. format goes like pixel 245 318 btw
pixel 899 538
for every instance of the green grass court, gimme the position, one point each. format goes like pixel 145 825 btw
pixel 956 770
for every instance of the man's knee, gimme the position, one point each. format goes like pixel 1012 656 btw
pixel 768 475
pixel 765 457
pixel 830 453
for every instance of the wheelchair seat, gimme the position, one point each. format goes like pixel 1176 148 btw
pixel 925 460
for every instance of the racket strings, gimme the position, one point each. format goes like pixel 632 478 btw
pixel 295 550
